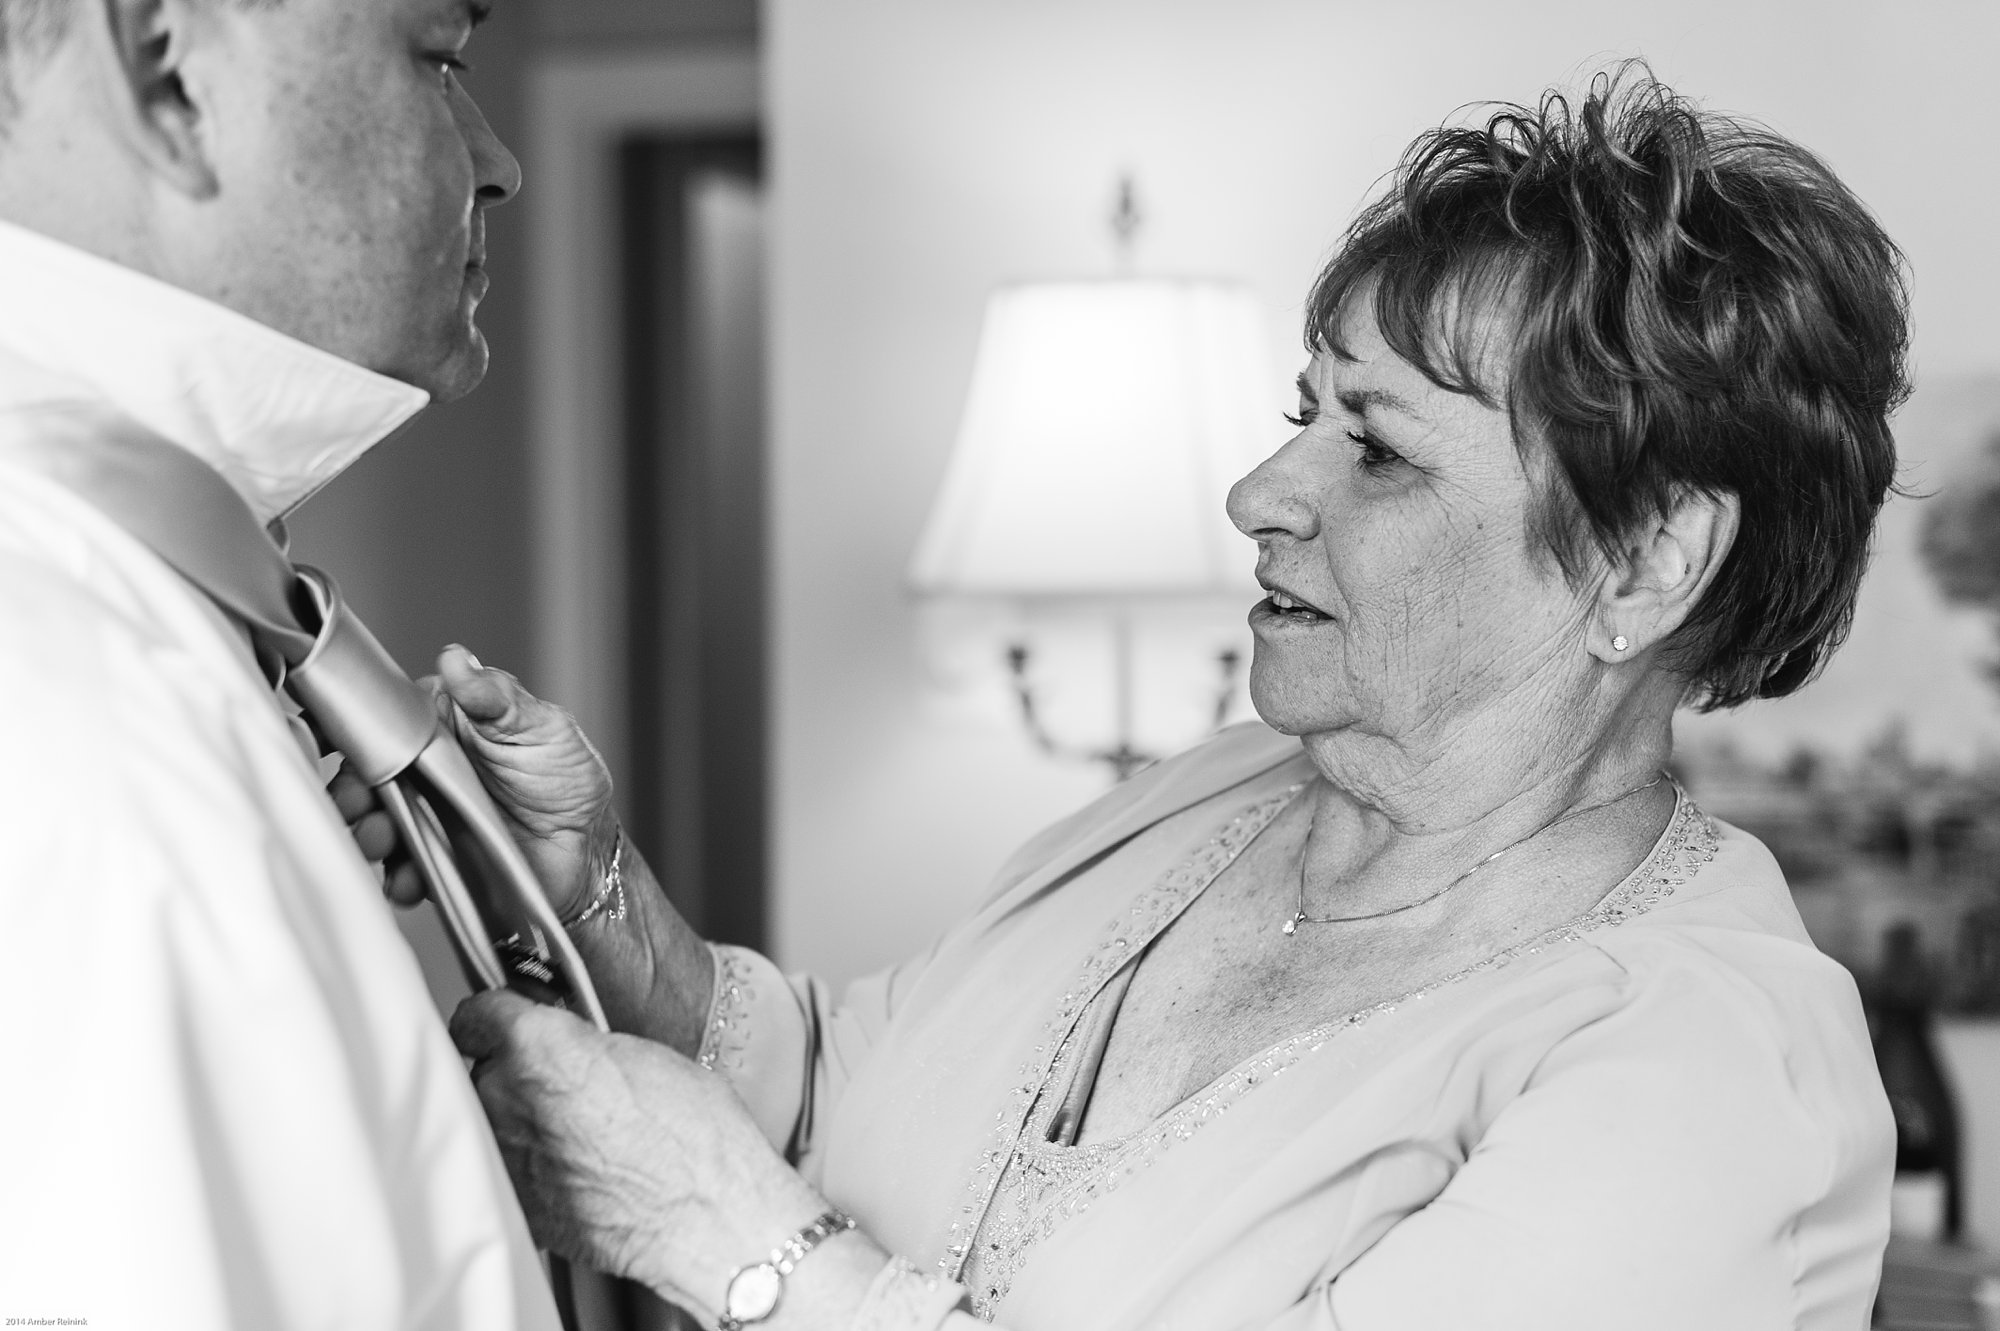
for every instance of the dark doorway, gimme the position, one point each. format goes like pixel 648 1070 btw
pixel 691 223
pixel 692 794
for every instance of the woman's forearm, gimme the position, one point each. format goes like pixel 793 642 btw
pixel 653 972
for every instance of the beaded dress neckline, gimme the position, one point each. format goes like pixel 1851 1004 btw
pixel 1026 1186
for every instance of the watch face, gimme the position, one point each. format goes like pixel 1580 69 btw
pixel 753 1293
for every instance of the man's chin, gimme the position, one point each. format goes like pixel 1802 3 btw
pixel 456 374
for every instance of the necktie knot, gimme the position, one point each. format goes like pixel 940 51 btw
pixel 382 722
pixel 371 711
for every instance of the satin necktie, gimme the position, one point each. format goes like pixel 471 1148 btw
pixel 381 721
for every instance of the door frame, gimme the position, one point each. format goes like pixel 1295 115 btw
pixel 581 107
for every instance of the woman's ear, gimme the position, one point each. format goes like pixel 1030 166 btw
pixel 140 49
pixel 1662 572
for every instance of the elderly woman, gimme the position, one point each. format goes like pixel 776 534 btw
pixel 1428 1003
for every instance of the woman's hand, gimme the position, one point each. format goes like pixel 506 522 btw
pixel 652 972
pixel 633 1160
pixel 535 761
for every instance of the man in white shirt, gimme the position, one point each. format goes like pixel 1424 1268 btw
pixel 254 228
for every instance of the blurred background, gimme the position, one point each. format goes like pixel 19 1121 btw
pixel 735 321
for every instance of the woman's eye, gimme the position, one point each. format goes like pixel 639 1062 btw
pixel 1307 415
pixel 1370 454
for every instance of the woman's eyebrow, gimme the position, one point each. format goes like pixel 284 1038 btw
pixel 1358 401
pixel 1306 389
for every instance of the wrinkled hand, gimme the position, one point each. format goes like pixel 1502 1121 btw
pixel 535 761
pixel 626 1156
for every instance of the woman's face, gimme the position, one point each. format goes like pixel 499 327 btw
pixel 1410 612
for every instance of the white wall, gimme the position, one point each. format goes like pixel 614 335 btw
pixel 924 150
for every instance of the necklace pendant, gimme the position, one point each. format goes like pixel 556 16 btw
pixel 1292 925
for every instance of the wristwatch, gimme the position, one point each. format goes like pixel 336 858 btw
pixel 754 1290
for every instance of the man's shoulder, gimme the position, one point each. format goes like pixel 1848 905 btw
pixel 64 635
pixel 68 624
pixel 79 593
pixel 99 675
pixel 60 559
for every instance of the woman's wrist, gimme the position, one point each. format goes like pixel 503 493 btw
pixel 603 896
pixel 904 1297
pixel 600 854
pixel 827 1288
pixel 751 1224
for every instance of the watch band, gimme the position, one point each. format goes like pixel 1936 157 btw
pixel 755 1290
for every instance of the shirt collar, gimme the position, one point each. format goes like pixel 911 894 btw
pixel 277 417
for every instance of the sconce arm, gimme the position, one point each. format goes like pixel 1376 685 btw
pixel 1122 757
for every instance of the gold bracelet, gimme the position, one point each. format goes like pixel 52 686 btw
pixel 609 899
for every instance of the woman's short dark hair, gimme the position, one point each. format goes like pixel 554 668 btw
pixel 1690 303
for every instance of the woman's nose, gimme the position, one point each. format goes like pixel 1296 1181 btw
pixel 1266 504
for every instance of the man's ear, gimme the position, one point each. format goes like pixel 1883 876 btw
pixel 144 44
pixel 1662 572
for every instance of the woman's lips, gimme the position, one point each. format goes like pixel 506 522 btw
pixel 1284 607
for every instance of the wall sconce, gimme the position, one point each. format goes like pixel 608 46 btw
pixel 1105 424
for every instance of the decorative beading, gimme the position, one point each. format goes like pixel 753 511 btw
pixel 726 1035
pixel 1048 1184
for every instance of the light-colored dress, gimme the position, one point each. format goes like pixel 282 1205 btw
pixel 1664 1114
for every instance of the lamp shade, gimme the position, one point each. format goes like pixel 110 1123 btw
pixel 1105 424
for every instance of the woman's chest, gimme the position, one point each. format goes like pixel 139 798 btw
pixel 1192 1014
pixel 1327 1132
pixel 1225 983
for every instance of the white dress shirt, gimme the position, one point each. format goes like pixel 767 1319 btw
pixel 225 1098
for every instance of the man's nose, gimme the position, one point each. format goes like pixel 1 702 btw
pixel 1267 503
pixel 496 172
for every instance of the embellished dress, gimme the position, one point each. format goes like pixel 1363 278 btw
pixel 1662 1114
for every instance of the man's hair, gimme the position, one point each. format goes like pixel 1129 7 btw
pixel 32 21
pixel 28 29
pixel 1685 303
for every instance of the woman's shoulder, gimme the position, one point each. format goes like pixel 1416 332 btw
pixel 1698 963
pixel 1721 961
pixel 1729 881
pixel 1714 985
pixel 1717 906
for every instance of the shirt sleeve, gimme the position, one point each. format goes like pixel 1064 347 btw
pixel 1654 1175
pixel 787 1046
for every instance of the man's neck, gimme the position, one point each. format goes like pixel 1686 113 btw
pixel 277 417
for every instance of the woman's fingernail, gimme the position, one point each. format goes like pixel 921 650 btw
pixel 474 661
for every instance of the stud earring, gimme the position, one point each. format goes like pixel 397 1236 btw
pixel 1618 644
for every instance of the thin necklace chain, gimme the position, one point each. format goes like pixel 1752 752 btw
pixel 1300 917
